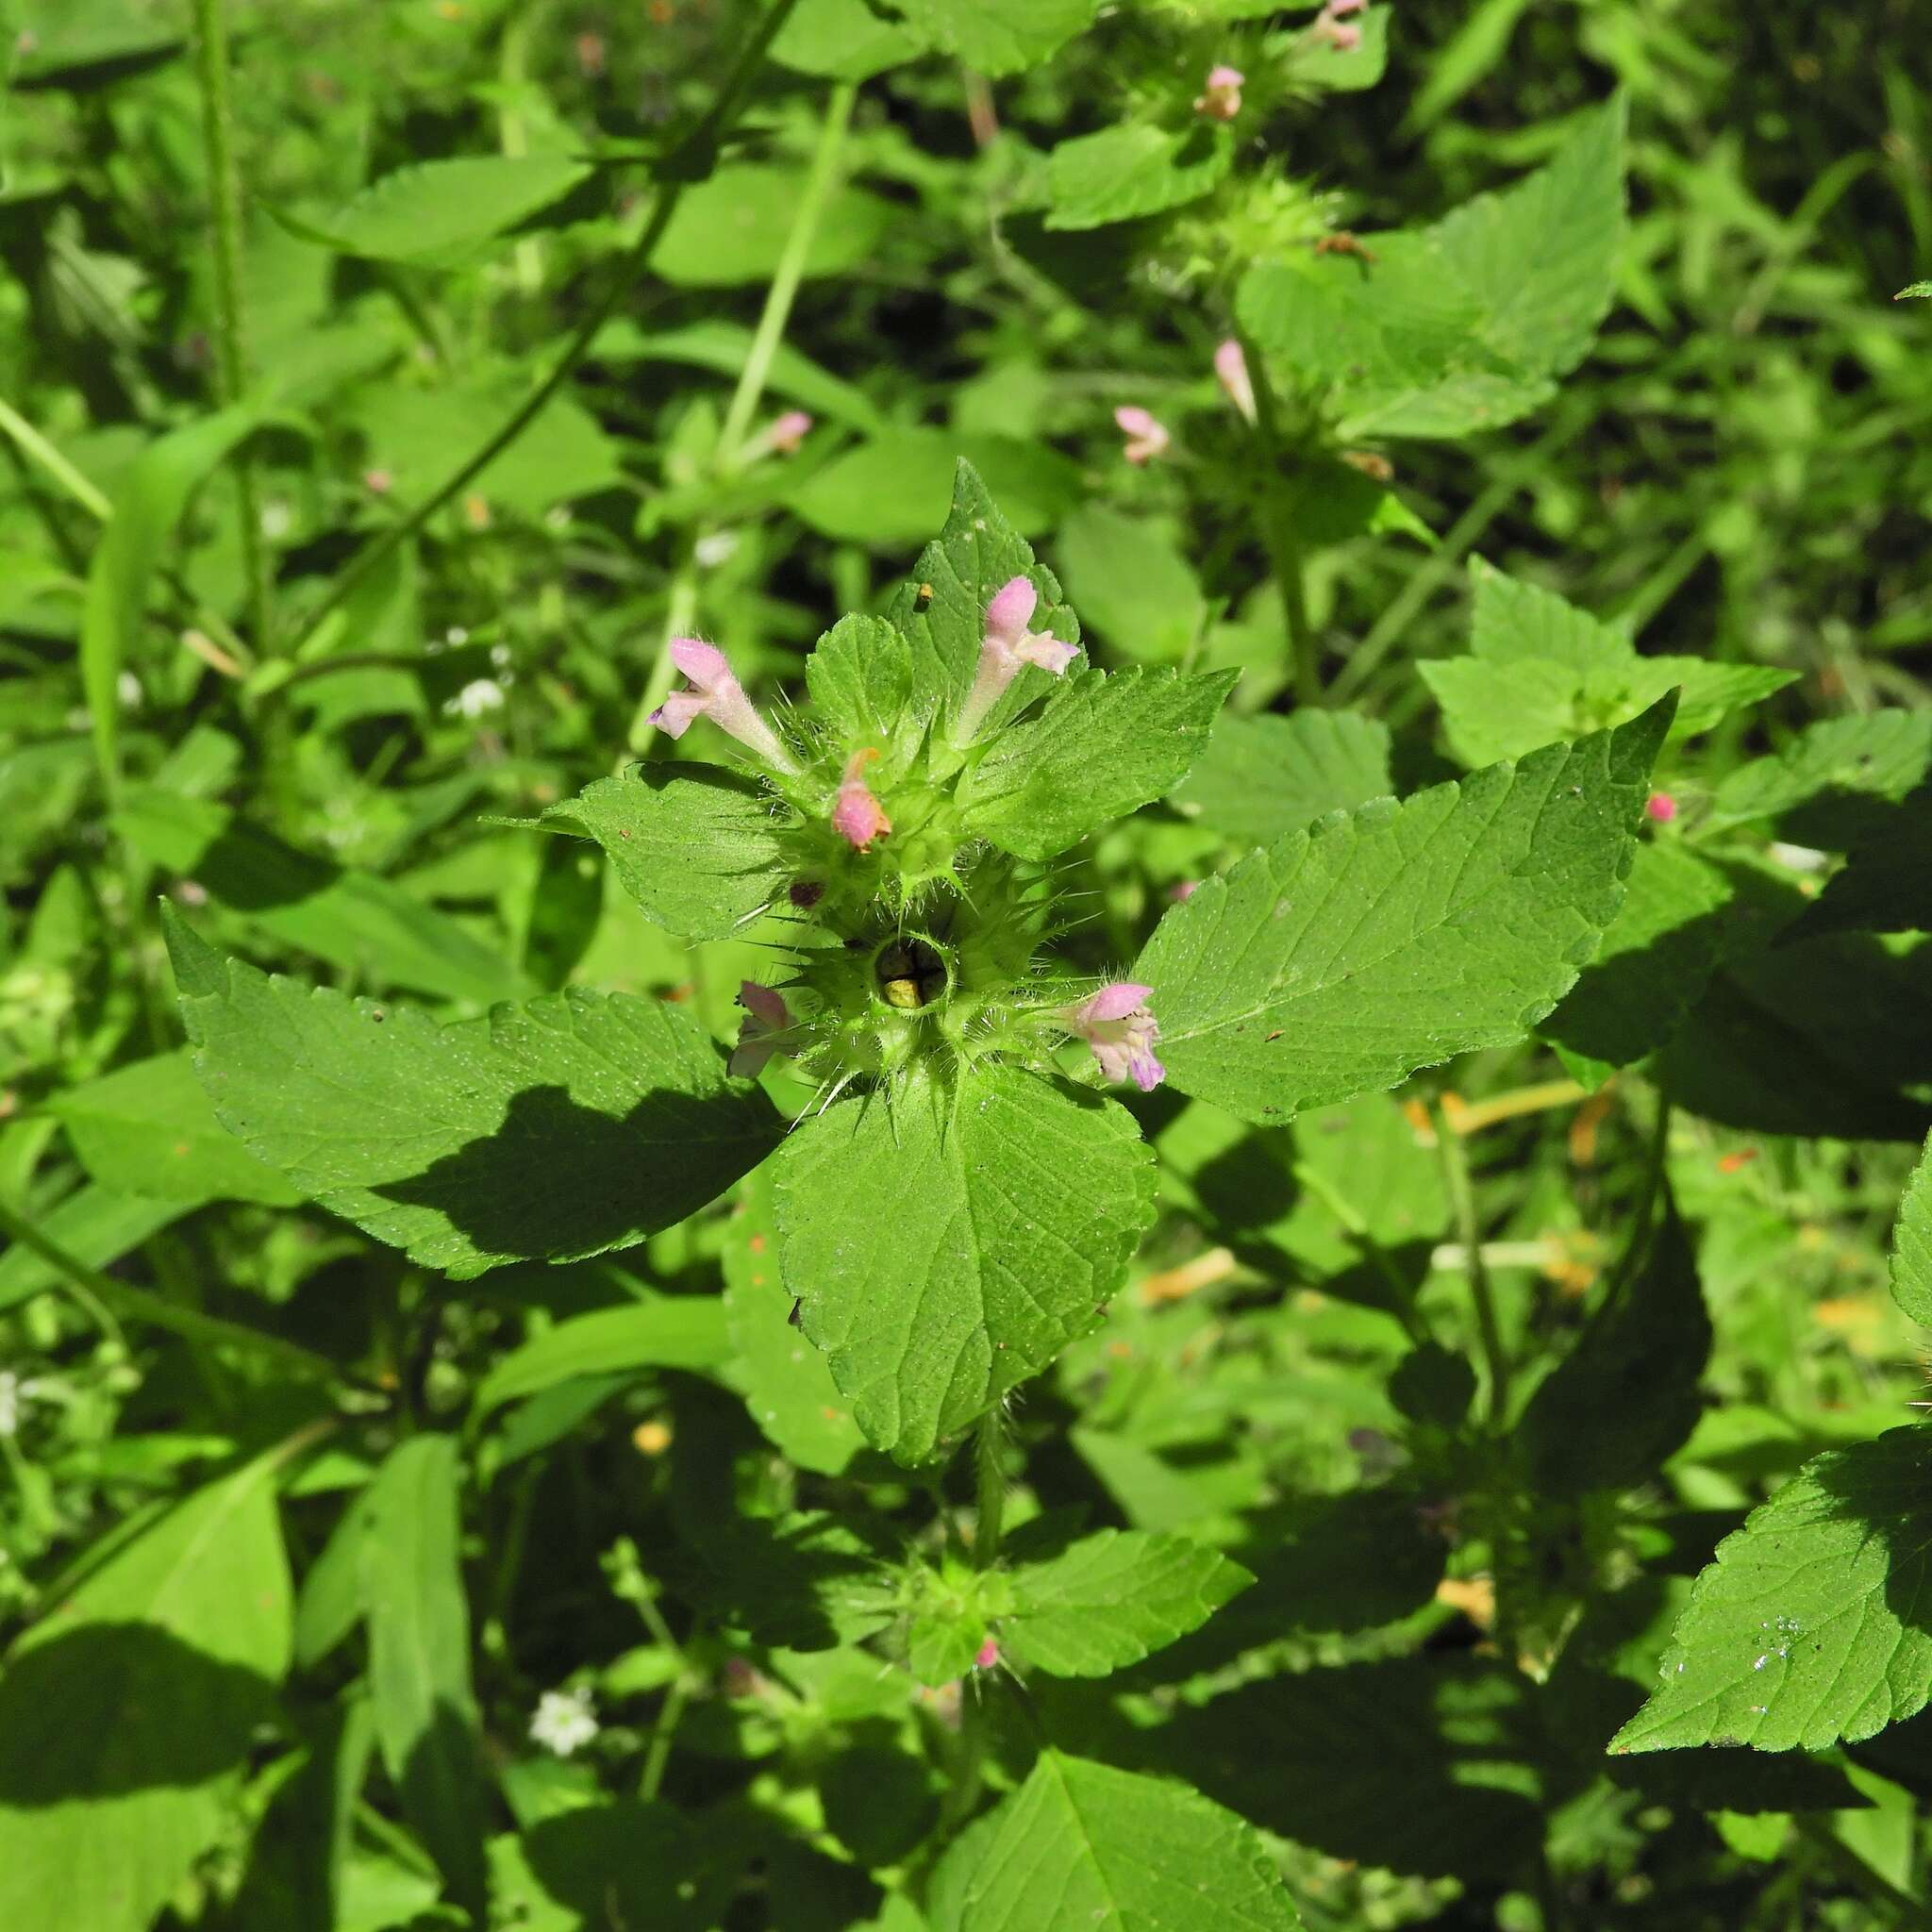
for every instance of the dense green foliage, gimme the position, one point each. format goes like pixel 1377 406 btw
pixel 1192 1199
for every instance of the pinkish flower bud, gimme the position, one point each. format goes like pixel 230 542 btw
pixel 1231 370
pixel 1118 1025
pixel 378 482
pixel 1220 99
pixel 987 1656
pixel 1146 436
pixel 789 431
pixel 1006 646
pixel 766 1017
pixel 716 694
pixel 1183 889
pixel 857 817
pixel 1660 808
pixel 1330 25
pixel 1343 37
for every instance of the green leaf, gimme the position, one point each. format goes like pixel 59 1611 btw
pixel 1652 968
pixel 1911 1244
pixel 1011 1210
pixel 426 1725
pixel 149 1127
pixel 998 37
pixel 1342 958
pixel 892 489
pixel 1805 1630
pixel 1082 1847
pixel 1111 1599
pixel 1122 173
pixel 1914 291
pixel 660 1331
pixel 1632 1373
pixel 941 610
pixel 146 507
pixel 733 228
pixel 1539 669
pixel 1425 1764
pixel 552 1131
pixel 1260 778
pixel 1462 326
pixel 843 39
pixel 96 1224
pixel 1101 747
pixel 1132 583
pixel 363 925
pixel 439 213
pixel 1886 882
pixel 788 1383
pixel 694 845
pixel 126 1712
pixel 1834 784
pixel 859 675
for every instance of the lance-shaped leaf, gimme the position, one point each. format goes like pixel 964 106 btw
pixel 948 1243
pixel 1111 1599
pixel 695 845
pixel 1343 958
pixel 1809 1628
pixel 1082 1847
pixel 1098 749
pixel 579 1123
pixel 942 611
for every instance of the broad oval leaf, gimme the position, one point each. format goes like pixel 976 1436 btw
pixel 577 1123
pixel 1343 958
pixel 1009 1209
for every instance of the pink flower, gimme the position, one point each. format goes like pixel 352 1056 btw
pixel 1006 646
pixel 716 694
pixel 1118 1025
pixel 987 1656
pixel 1146 437
pixel 789 431
pixel 766 1017
pixel 1183 889
pixel 857 817
pixel 1220 99
pixel 1341 10
pixel 1330 25
pixel 1660 808
pixel 1231 369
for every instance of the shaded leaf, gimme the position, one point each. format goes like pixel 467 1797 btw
pixel 659 1331
pixel 1260 778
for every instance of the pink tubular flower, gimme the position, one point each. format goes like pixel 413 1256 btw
pixel 789 431
pixel 1118 1025
pixel 1006 646
pixel 1220 99
pixel 1660 808
pixel 987 1656
pixel 1330 25
pixel 1231 371
pixel 716 694
pixel 766 1016
pixel 857 817
pixel 1146 436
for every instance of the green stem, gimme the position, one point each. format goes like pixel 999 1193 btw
pixel 1456 1180
pixel 1279 536
pixel 231 342
pixel 989 1480
pixel 31 443
pixel 676 170
pixel 786 277
pixel 681 611
pixel 140 1304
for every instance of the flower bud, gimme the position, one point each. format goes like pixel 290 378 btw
pixel 1146 436
pixel 1231 370
pixel 857 817
pixel 1220 99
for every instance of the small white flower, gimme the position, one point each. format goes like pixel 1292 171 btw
pixel 565 1722
pixel 128 688
pixel 277 519
pixel 456 634
pixel 13 1395
pixel 715 547
pixel 499 655
pixel 1797 857
pixel 479 696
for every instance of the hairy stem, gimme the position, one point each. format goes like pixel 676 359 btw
pixel 1279 536
pixel 990 1483
pixel 231 341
